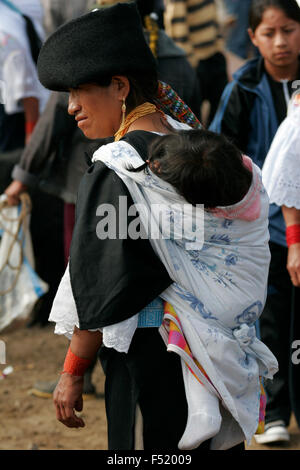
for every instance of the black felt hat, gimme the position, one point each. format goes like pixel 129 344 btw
pixel 103 43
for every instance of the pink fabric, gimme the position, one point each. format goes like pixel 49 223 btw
pixel 249 207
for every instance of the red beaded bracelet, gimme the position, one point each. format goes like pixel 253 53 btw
pixel 293 234
pixel 75 365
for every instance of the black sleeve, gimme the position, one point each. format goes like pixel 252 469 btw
pixel 112 279
pixel 54 126
pixel 236 118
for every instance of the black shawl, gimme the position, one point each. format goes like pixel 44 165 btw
pixel 111 280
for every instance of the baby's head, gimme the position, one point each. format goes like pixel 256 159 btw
pixel 204 167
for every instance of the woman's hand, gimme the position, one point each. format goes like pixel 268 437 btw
pixel 293 264
pixel 67 399
pixel 13 192
pixel 67 395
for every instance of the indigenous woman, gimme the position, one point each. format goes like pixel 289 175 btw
pixel 110 293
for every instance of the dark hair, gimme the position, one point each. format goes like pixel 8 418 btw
pixel 204 167
pixel 258 7
pixel 143 87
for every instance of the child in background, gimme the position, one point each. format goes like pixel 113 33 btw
pixel 251 109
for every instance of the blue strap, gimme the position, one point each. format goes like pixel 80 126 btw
pixel 11 6
pixel 152 315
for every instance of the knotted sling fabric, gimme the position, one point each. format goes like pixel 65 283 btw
pixel 74 54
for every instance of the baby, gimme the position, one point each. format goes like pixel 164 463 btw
pixel 204 167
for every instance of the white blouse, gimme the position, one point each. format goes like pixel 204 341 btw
pixel 281 170
pixel 18 73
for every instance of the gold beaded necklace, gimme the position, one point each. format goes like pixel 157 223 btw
pixel 138 112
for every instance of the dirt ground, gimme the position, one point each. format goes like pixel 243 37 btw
pixel 28 422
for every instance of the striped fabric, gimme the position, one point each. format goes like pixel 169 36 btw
pixel 172 332
pixel 169 102
pixel 193 25
pixel 262 410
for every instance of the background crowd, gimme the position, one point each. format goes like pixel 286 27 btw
pixel 238 73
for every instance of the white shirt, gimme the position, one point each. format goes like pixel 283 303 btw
pixel 18 74
pixel 281 170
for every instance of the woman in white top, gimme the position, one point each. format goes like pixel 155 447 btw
pixel 281 177
pixel 23 97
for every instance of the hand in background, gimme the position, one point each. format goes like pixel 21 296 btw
pixel 293 263
pixel 13 192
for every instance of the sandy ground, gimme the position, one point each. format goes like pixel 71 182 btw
pixel 29 423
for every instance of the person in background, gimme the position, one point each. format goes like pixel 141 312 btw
pixel 25 101
pixel 194 27
pixel 57 12
pixel 237 40
pixel 251 109
pixel 24 98
pixel 21 30
pixel 282 181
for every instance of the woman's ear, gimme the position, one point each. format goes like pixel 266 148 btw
pixel 252 36
pixel 121 86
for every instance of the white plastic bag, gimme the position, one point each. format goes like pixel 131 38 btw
pixel 20 286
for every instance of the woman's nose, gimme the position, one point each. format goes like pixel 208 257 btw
pixel 73 105
pixel 280 40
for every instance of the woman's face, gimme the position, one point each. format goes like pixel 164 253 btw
pixel 97 109
pixel 277 38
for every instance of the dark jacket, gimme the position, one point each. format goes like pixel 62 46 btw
pixel 53 160
pixel 248 115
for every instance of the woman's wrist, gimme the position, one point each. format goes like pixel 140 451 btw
pixel 75 365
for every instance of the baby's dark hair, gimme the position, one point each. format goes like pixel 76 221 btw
pixel 290 8
pixel 204 167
